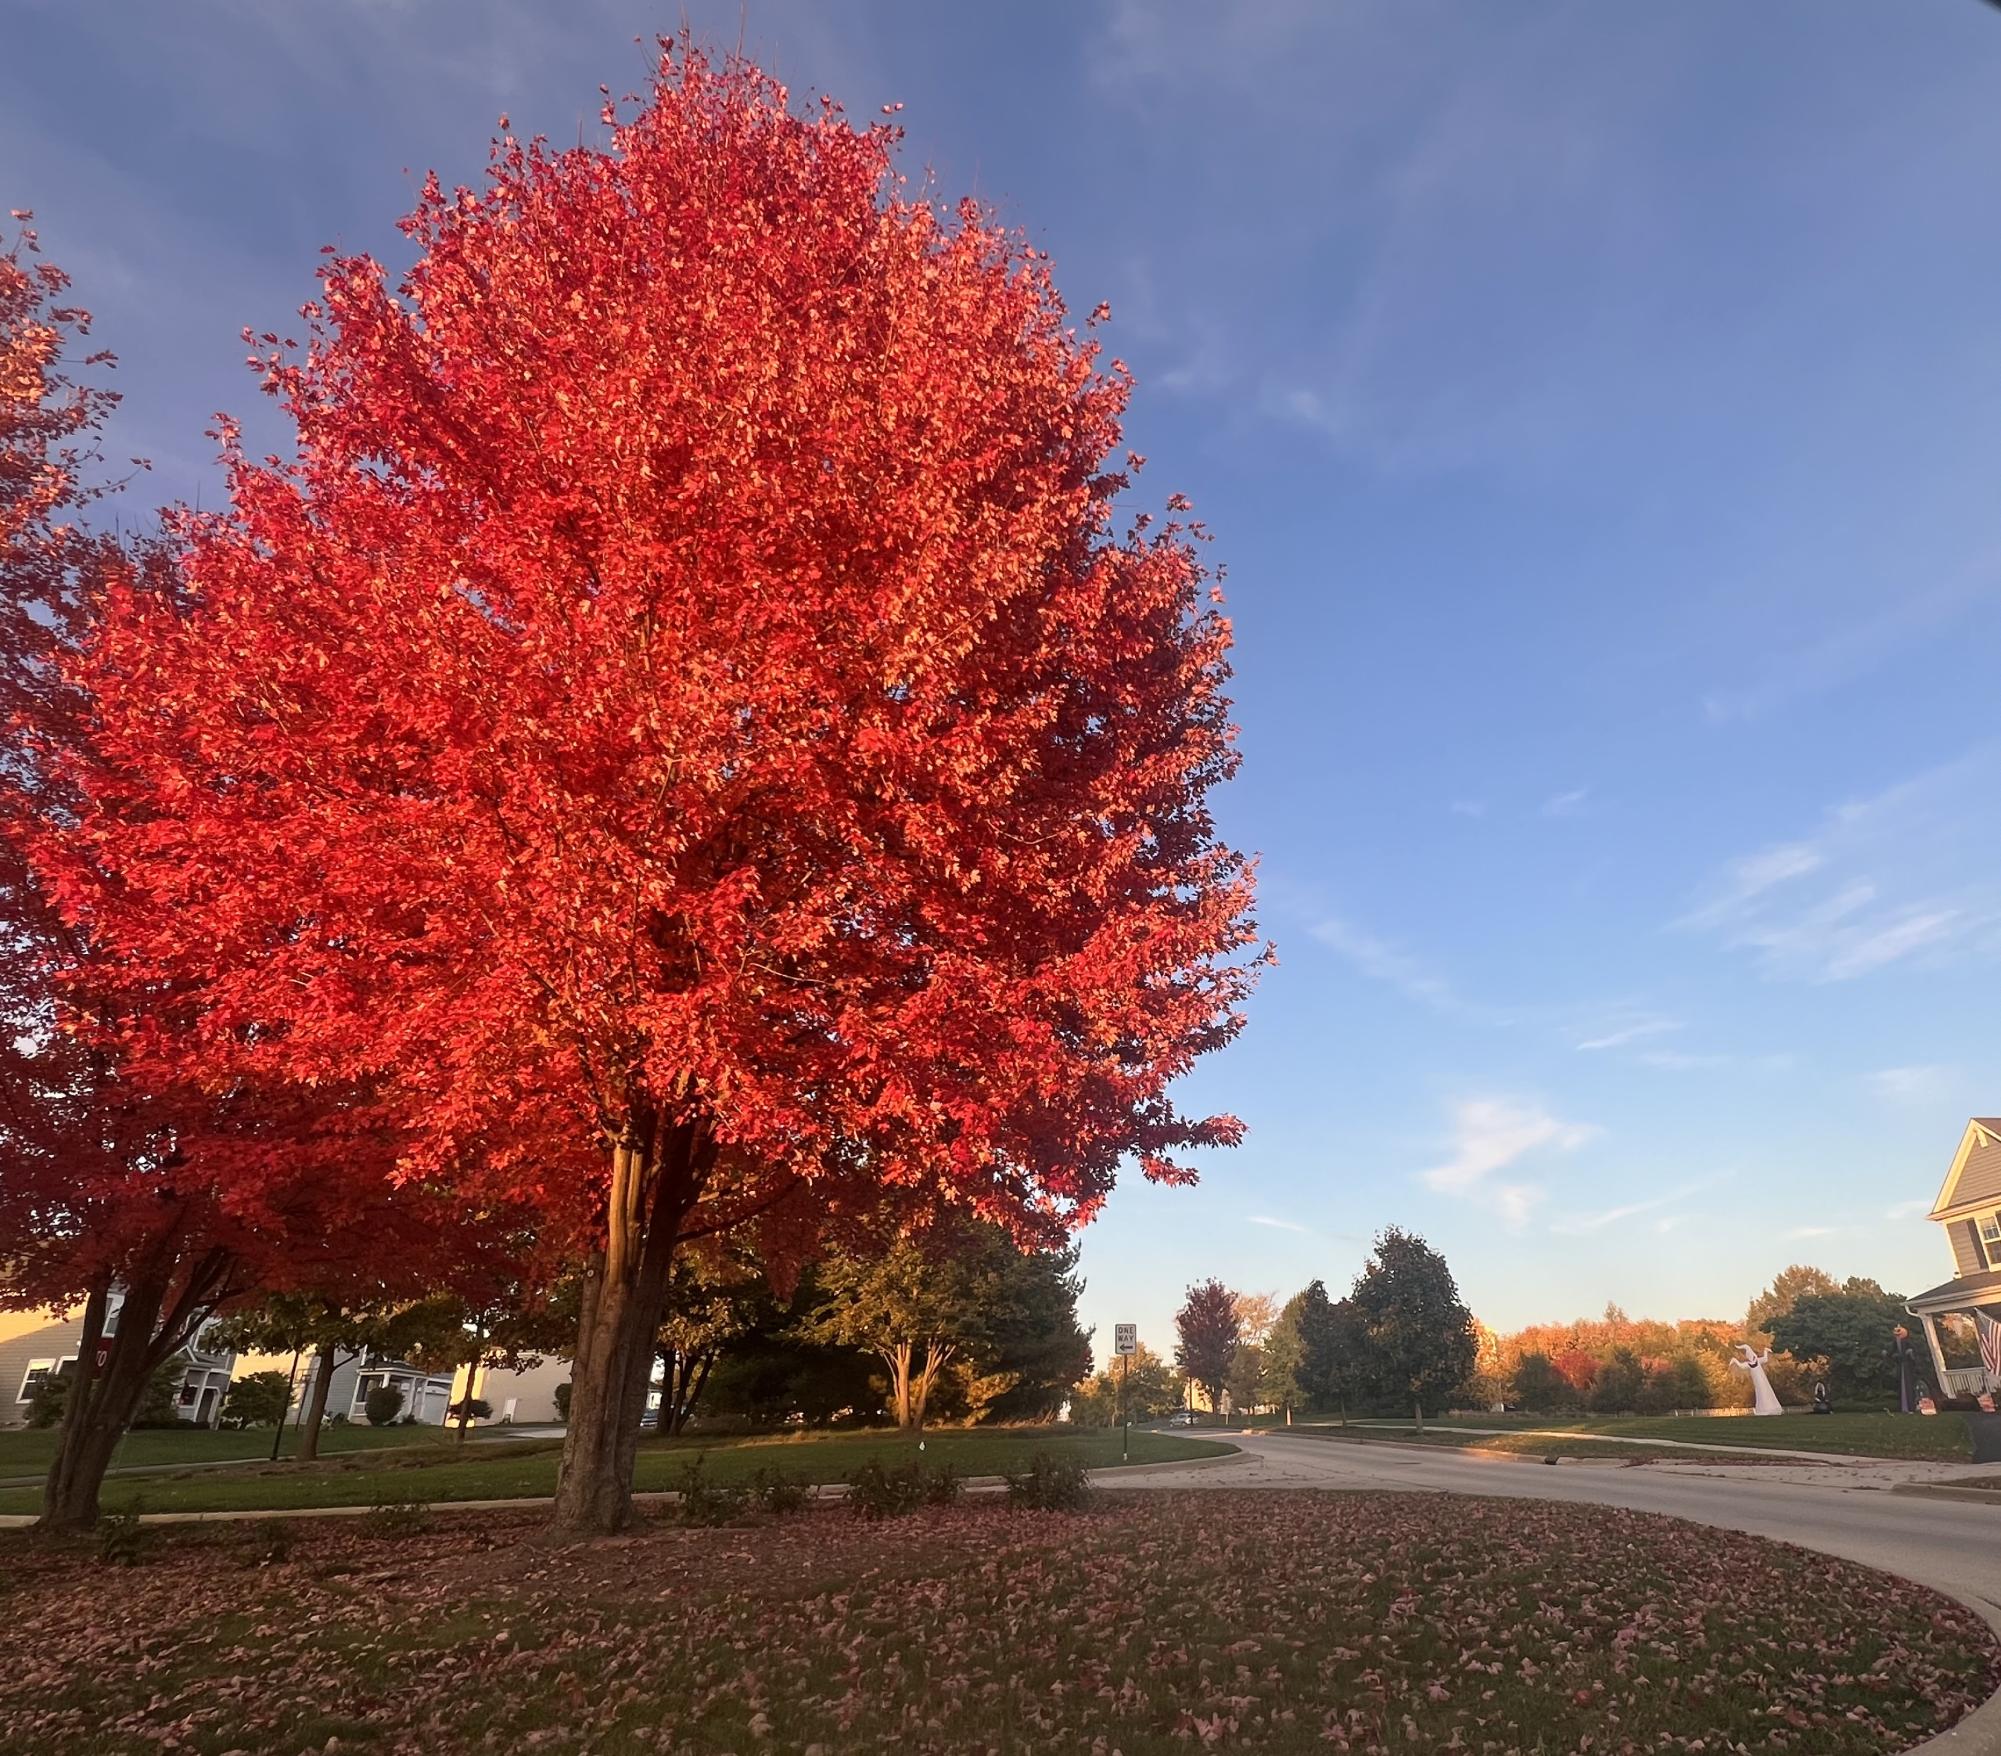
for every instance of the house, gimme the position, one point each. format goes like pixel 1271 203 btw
pixel 426 1395
pixel 32 1347
pixel 1959 1314
pixel 521 1395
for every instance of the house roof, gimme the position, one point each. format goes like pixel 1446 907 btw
pixel 1968 1289
pixel 1975 1178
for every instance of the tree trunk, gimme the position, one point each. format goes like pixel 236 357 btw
pixel 897 1358
pixel 315 1413
pixel 656 1175
pixel 100 1405
pixel 472 1384
pixel 935 1359
pixel 694 1394
pixel 1417 1402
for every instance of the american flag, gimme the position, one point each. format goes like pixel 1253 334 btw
pixel 1990 1345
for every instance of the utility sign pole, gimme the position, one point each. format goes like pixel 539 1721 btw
pixel 1125 1343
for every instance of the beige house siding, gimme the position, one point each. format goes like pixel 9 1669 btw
pixel 44 1341
pixel 533 1392
pixel 1980 1177
pixel 1966 1253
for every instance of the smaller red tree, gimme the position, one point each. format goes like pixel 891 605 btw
pixel 1209 1329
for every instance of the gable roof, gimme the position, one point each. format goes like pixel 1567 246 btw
pixel 1968 1289
pixel 1975 1178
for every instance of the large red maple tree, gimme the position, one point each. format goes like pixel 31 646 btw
pixel 684 724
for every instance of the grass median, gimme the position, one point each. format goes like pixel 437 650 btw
pixel 527 1470
pixel 1917 1438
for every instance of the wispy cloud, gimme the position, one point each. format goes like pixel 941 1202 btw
pixel 1861 894
pixel 1491 1134
pixel 1382 961
pixel 1848 652
pixel 1468 807
pixel 1802 1233
pixel 1908 1210
pixel 1620 1032
pixel 1566 804
pixel 1577 1225
pixel 1277 1225
pixel 1922 1085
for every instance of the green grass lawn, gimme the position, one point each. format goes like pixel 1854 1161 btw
pixel 528 1469
pixel 1154 1624
pixel 1927 1438
pixel 26 1450
pixel 1514 1444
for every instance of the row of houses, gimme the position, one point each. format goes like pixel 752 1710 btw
pixel 33 1348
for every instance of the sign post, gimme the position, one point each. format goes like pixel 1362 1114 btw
pixel 1125 1343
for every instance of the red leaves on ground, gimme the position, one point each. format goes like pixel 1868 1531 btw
pixel 1365 1623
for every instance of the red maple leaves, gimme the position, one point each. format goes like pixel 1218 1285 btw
pixel 689 666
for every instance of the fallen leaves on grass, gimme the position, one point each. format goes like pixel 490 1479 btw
pixel 1156 1623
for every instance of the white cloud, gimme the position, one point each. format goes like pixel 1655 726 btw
pixel 1620 1032
pixel 1277 1225
pixel 1468 807
pixel 1908 1210
pixel 1911 1084
pixel 1489 1135
pixel 1804 1232
pixel 1566 804
pixel 1749 878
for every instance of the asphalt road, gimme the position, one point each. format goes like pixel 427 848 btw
pixel 1947 1543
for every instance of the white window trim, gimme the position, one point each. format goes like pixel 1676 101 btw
pixel 47 1368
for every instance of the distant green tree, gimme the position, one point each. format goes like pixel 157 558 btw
pixel 257 1399
pixel 1420 1340
pixel 1788 1286
pixel 1208 1330
pixel 1150 1386
pixel 1539 1387
pixel 1844 1336
pixel 912 1309
pixel 1616 1389
pixel 1285 1355
pixel 1335 1368
pixel 1249 1384
pixel 1688 1383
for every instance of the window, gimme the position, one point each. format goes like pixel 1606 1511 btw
pixel 31 1380
pixel 1988 1225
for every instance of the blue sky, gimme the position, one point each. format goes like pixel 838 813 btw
pixel 1597 410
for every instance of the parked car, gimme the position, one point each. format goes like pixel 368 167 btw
pixel 1182 1417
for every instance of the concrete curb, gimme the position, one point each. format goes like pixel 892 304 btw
pixel 1120 1471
